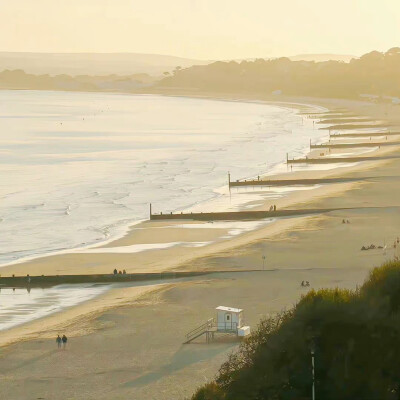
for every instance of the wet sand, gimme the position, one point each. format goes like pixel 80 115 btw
pixel 132 348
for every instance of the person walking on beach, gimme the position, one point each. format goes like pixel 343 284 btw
pixel 58 341
pixel 64 341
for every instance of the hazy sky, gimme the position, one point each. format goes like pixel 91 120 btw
pixel 204 29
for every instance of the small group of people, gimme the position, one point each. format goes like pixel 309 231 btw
pixel 345 221
pixel 272 208
pixel 119 272
pixel 372 247
pixel 305 283
pixel 61 341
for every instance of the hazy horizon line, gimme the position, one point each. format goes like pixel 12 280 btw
pixel 181 57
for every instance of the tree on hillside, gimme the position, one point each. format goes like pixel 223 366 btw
pixel 374 73
pixel 355 336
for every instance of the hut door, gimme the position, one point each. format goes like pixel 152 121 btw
pixel 228 321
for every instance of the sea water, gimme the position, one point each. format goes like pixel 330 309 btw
pixel 78 168
pixel 20 305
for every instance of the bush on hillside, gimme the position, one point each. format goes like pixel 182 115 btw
pixel 374 73
pixel 355 336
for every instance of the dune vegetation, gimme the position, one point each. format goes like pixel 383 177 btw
pixel 355 336
pixel 374 74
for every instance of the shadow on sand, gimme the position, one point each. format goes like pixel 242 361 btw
pixel 185 356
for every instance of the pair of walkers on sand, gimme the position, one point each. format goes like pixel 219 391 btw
pixel 61 340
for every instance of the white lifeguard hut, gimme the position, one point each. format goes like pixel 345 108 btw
pixel 229 320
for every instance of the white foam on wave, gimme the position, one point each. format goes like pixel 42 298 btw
pixel 90 188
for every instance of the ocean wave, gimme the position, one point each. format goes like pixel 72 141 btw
pixel 187 173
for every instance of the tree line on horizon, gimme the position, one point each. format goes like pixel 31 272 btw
pixel 355 338
pixel 19 79
pixel 375 73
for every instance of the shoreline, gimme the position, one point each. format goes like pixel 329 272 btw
pixel 276 228
pixel 124 229
pixel 78 316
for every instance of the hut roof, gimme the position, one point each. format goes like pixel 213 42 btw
pixel 230 309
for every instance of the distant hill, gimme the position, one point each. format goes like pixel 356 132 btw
pixel 96 64
pixel 93 63
pixel 322 57
pixel 18 79
pixel 374 73
pixel 303 57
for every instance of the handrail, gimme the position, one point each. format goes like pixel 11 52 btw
pixel 232 326
pixel 200 328
pixel 196 330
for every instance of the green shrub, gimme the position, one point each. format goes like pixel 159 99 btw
pixel 211 391
pixel 356 337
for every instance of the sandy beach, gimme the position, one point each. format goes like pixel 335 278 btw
pixel 127 343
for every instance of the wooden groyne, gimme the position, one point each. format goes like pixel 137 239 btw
pixel 363 134
pixel 44 281
pixel 338 111
pixel 330 160
pixel 52 280
pixel 356 126
pixel 293 182
pixel 352 145
pixel 334 116
pixel 343 120
pixel 240 215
